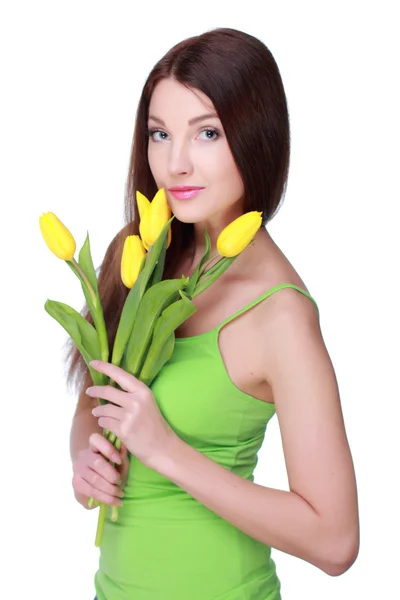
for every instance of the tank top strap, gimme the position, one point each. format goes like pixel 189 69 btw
pixel 263 297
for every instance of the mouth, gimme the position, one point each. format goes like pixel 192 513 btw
pixel 185 192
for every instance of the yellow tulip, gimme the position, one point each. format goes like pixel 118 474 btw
pixel 237 235
pixel 153 218
pixel 132 255
pixel 142 229
pixel 57 237
pixel 142 202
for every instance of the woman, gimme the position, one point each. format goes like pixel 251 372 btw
pixel 213 115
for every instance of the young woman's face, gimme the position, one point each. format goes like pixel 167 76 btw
pixel 187 149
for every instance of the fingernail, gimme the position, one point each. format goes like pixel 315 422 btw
pixel 117 458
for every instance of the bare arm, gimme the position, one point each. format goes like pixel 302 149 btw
pixel 317 520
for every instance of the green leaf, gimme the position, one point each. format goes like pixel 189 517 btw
pixel 152 258
pixel 81 331
pixel 154 301
pixel 85 261
pixel 163 339
pixel 212 274
pixel 88 334
pixel 173 316
pixel 142 264
pixel 86 277
pixel 207 252
pixel 150 372
pixel 159 268
pixel 126 321
pixel 194 278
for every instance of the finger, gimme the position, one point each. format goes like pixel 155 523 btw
pixel 123 451
pixel 113 425
pixel 99 483
pixel 87 490
pixel 110 393
pixel 98 443
pixel 125 380
pixel 108 410
pixel 100 465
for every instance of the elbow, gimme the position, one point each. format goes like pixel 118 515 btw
pixel 342 565
pixel 342 555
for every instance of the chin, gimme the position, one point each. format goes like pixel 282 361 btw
pixel 187 218
pixel 187 214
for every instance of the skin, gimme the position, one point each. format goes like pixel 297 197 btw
pixel 193 155
pixel 286 362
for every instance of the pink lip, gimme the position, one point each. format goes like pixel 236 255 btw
pixel 184 193
pixel 184 188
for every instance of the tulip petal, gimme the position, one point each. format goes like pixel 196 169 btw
pixel 131 261
pixel 57 237
pixel 142 203
pixel 144 229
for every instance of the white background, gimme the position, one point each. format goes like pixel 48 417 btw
pixel 71 76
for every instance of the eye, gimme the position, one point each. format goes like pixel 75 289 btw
pixel 214 134
pixel 151 132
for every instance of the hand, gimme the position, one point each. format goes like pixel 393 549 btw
pixel 95 477
pixel 133 416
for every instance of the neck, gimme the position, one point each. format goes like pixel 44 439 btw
pixel 248 258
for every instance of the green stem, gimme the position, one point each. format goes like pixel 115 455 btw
pixel 103 507
pixel 212 275
pixel 212 270
pixel 96 308
pixel 100 525
pixel 207 263
pixel 83 277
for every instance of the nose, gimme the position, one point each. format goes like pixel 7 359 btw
pixel 179 160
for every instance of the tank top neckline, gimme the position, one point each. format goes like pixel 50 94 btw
pixel 247 307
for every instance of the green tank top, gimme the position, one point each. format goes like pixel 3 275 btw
pixel 166 545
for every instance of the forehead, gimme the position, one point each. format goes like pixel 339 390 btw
pixel 171 99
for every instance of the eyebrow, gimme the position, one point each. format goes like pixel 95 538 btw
pixel 191 121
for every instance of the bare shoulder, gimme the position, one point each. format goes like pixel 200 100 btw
pixel 286 311
pixel 291 309
pixel 290 337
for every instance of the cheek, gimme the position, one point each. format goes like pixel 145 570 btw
pixel 151 161
pixel 226 172
pixel 156 161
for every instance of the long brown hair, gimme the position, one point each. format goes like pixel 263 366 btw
pixel 240 76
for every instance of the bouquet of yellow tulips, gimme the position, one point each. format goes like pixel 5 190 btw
pixel 154 308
